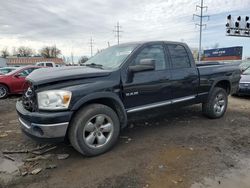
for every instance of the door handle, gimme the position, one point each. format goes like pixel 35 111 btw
pixel 229 74
pixel 164 79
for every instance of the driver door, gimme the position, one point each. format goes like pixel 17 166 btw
pixel 149 87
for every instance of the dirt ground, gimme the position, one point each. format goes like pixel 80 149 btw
pixel 178 148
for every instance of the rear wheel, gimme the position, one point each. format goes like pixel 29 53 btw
pixel 3 91
pixel 94 129
pixel 216 105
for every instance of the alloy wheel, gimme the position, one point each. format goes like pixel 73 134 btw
pixel 3 92
pixel 219 103
pixel 98 131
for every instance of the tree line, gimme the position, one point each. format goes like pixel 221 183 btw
pixel 46 52
pixel 23 51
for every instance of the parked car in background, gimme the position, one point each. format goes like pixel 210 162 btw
pixel 14 82
pixel 47 64
pixel 6 70
pixel 244 85
pixel 244 65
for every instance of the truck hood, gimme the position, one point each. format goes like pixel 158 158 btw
pixel 49 75
pixel 245 78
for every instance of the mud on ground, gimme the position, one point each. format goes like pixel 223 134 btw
pixel 178 148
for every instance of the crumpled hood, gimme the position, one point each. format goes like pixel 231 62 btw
pixel 49 75
pixel 245 78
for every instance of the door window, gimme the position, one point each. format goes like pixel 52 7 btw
pixel 26 72
pixel 40 64
pixel 155 52
pixel 49 65
pixel 179 56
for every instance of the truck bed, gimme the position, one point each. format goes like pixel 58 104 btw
pixel 212 72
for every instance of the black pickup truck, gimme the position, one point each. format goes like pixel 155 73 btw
pixel 89 104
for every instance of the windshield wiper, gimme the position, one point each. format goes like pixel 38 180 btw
pixel 94 65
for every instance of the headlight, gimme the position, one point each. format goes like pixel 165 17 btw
pixel 54 100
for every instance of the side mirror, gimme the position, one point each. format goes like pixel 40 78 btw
pixel 17 75
pixel 144 65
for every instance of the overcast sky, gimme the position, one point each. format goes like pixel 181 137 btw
pixel 70 24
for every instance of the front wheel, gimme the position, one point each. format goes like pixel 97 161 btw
pixel 94 129
pixel 216 105
pixel 3 91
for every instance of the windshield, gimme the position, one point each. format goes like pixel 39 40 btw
pixel 112 57
pixel 6 70
pixel 15 71
pixel 245 65
pixel 246 72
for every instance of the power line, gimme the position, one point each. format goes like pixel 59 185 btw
pixel 118 31
pixel 91 46
pixel 201 25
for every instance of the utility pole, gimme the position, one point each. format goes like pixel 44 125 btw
pixel 118 31
pixel 91 46
pixel 201 25
pixel 55 51
pixel 72 58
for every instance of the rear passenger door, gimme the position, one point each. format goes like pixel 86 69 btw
pixel 184 74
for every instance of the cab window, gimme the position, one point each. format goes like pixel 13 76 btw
pixel 155 52
pixel 179 56
pixel 49 64
pixel 40 64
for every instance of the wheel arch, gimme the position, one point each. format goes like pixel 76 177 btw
pixel 222 83
pixel 106 98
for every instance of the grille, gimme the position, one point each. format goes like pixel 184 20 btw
pixel 29 100
pixel 245 85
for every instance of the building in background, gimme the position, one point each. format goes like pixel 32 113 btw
pixel 3 62
pixel 22 61
pixel 221 54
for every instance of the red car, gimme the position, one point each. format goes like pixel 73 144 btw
pixel 14 82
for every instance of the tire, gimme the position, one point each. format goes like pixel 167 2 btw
pixel 88 127
pixel 216 105
pixel 4 91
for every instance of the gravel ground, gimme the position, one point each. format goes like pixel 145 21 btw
pixel 160 148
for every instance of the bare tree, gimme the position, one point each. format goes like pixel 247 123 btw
pixel 83 59
pixel 25 51
pixel 45 52
pixel 50 52
pixel 195 54
pixel 14 51
pixel 5 53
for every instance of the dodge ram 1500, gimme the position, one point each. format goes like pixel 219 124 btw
pixel 89 104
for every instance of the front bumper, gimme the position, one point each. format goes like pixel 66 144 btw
pixel 44 126
pixel 244 89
